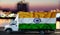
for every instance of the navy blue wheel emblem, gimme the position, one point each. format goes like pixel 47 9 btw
pixel 37 20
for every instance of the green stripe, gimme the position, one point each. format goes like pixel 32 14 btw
pixel 37 26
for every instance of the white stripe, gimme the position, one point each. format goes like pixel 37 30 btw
pixel 43 20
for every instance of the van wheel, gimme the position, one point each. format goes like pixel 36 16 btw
pixel 41 32
pixel 8 31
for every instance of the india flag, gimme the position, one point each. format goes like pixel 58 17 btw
pixel 37 20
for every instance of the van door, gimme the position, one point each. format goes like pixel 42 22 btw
pixel 14 26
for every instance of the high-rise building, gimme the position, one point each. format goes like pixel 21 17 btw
pixel 22 6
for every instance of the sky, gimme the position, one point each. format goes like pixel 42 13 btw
pixel 33 4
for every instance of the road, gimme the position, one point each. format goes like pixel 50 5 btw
pixel 57 32
pixel 18 33
pixel 3 33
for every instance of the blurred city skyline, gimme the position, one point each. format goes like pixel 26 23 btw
pixel 34 5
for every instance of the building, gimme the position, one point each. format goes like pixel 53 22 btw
pixel 22 6
pixel 6 17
